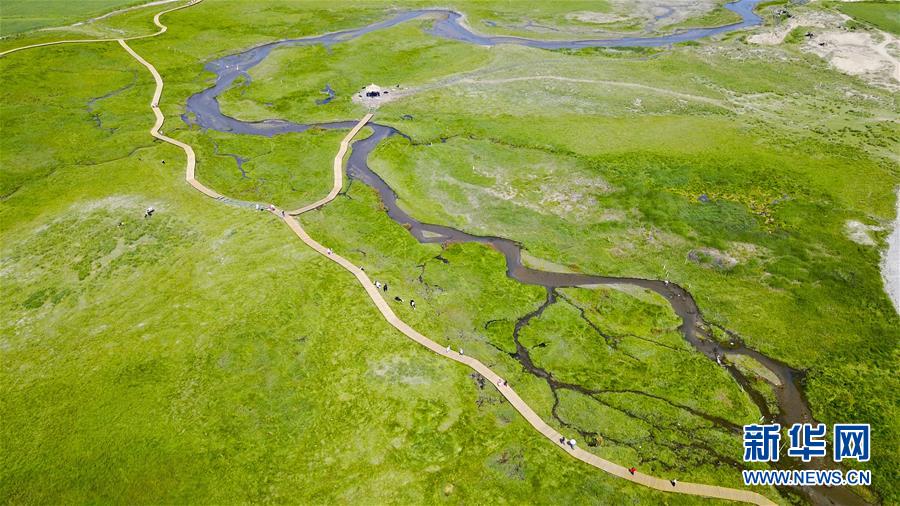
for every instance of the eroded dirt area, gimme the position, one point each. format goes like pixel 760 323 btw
pixel 872 55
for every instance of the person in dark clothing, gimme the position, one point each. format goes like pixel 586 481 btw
pixel 385 287
pixel 398 299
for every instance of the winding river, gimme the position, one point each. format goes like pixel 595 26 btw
pixel 203 110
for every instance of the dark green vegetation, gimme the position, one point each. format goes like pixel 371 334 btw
pixel 882 15
pixel 222 361
pixel 22 15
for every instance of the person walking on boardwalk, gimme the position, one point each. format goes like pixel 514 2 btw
pixel 632 470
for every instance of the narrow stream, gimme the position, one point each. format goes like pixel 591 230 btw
pixel 203 110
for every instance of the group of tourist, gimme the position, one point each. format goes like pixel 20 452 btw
pixel 384 286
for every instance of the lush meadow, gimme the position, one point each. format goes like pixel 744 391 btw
pixel 24 15
pixel 883 15
pixel 680 164
pixel 206 354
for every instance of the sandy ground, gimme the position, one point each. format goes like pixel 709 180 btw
pixel 384 95
pixel 652 14
pixel 862 54
pixel 659 14
pixel 647 15
pixel 890 261
pixel 600 18
pixel 817 19
pixel 859 232
pixel 871 55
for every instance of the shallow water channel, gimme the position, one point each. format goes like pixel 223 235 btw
pixel 203 110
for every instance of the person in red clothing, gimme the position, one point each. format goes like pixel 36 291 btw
pixel 632 470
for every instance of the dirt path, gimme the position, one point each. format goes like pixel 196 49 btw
pixel 886 54
pixel 471 79
pixel 384 308
pixel 162 30
pixel 623 84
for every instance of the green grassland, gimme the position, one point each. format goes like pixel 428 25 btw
pixel 477 305
pixel 882 15
pixel 206 354
pixel 23 15
pixel 199 355
pixel 611 178
pixel 405 56
pixel 718 16
pixel 629 205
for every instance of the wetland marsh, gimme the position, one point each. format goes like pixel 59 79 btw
pixel 713 200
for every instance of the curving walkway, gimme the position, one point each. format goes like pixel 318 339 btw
pixel 384 308
pixel 162 30
pixel 154 105
pixel 338 170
